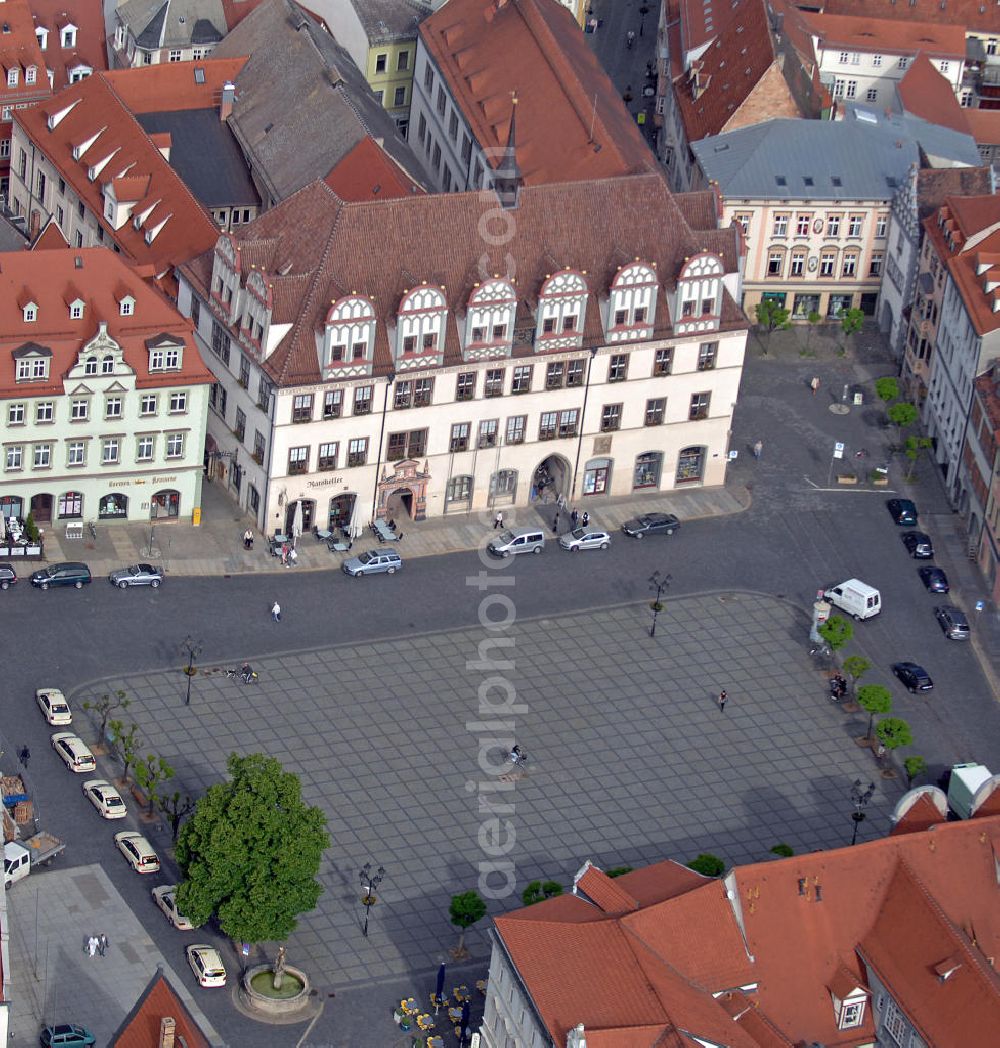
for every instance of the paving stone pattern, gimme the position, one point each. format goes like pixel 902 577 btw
pixel 631 759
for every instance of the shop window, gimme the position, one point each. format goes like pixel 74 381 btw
pixel 647 470
pixel 165 504
pixel 113 507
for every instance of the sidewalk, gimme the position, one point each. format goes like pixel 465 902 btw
pixel 216 547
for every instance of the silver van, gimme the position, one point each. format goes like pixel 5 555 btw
pixel 523 540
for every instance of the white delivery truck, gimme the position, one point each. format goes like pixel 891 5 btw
pixel 20 857
pixel 967 788
pixel 855 597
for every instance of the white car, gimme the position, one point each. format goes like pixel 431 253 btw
pixel 206 964
pixel 105 798
pixel 55 709
pixel 165 896
pixel 138 851
pixel 585 538
pixel 73 751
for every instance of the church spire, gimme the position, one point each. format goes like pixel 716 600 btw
pixel 508 181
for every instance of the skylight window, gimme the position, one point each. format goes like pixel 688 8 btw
pixel 781 180
pixel 808 180
pixel 199 75
pixel 836 180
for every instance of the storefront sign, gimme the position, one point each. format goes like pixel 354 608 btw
pixel 329 482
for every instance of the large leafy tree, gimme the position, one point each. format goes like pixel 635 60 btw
pixel 251 851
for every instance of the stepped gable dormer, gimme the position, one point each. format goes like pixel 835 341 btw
pixel 421 327
pixel 698 301
pixel 258 303
pixel 349 337
pixel 226 277
pixel 562 311
pixel 489 319
pixel 631 306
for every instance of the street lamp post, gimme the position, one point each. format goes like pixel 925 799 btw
pixel 583 418
pixel 860 796
pixel 369 883
pixel 389 379
pixel 193 650
pixel 657 584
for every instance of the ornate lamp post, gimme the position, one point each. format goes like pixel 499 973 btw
pixel 657 584
pixel 860 796
pixel 369 883
pixel 193 650
pixel 389 379
pixel 583 418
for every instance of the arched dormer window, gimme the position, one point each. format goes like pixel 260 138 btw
pixel 562 311
pixel 699 294
pixel 632 302
pixel 489 320
pixel 90 366
pixel 421 326
pixel 349 336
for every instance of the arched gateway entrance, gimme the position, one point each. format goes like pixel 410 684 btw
pixel 552 478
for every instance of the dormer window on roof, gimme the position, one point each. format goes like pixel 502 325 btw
pixel 699 294
pixel 489 320
pixel 68 35
pixel 126 306
pixel 349 336
pixel 30 312
pixel 632 303
pixel 421 324
pixel 76 307
pixel 31 74
pixel 90 366
pixel 562 308
pixel 43 37
pixel 12 76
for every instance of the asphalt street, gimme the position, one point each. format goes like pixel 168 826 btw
pixel 798 536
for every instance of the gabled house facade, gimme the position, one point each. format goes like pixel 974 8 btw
pixel 104 394
pixel 981 477
pixel 148 32
pixel 447 382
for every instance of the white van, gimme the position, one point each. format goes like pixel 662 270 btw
pixel 855 597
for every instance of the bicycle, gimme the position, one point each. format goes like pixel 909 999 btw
pixel 519 759
pixel 245 674
pixel 821 651
pixel 92 528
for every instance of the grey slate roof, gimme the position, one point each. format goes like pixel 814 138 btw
pixel 386 21
pixel 11 238
pixel 301 102
pixel 173 23
pixel 865 156
pixel 205 155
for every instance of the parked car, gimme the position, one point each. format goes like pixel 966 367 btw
pixel 373 562
pixel 165 896
pixel 585 538
pixel 136 575
pixel 934 579
pixel 511 542
pixel 903 512
pixel 651 524
pixel 73 751
pixel 912 676
pixel 66 1035
pixel 105 798
pixel 67 573
pixel 206 964
pixel 919 545
pixel 8 576
pixel 952 621
pixel 55 709
pixel 138 851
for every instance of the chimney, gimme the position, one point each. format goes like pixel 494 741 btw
pixel 228 98
pixel 168 1032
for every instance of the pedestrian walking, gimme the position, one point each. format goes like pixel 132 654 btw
pixel 293 557
pixel 248 539
pixel 723 699
pixel 758 448
pixel 630 39
pixel 814 384
pixel 102 944
pixel 284 554
pixel 276 612
pixel 555 524
pixel 585 519
pixel 24 755
pixel 574 519
pixel 498 521
pixel 92 945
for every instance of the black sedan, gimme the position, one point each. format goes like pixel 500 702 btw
pixel 934 579
pixel 136 575
pixel 919 545
pixel 651 524
pixel 912 676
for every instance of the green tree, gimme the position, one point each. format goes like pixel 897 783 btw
pixel 618 871
pixel 251 851
pixel 851 322
pixel 126 742
pixel 856 666
pixel 175 806
pixel 31 528
pixel 538 890
pixel 105 706
pixel 875 699
pixel 785 851
pixel 771 316
pixel 465 910
pixel 902 415
pixel 708 865
pixel 913 766
pixel 894 732
pixel 887 389
pixel 813 318
pixel 912 449
pixel 150 771
pixel 836 631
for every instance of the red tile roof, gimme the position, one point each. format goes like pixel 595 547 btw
pixel 571 123
pixel 867 33
pixel 788 931
pixel 924 92
pixel 52 279
pixel 173 86
pixel 141 1028
pixel 984 126
pixel 236 10
pixel 91 109
pixel 91 40
pixel 50 237
pixel 369 173
pixel 19 50
pixel 970 14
